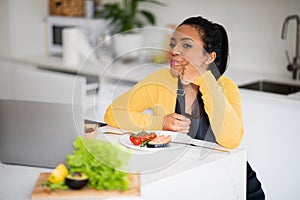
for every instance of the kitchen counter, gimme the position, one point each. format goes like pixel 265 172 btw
pixel 198 173
pixel 130 72
pixel 133 72
pixel 242 77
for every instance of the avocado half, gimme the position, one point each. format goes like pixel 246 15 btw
pixel 76 180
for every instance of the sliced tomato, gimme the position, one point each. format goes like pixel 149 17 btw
pixel 131 137
pixel 143 139
pixel 135 141
pixel 152 136
pixel 147 137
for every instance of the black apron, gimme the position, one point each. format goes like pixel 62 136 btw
pixel 200 129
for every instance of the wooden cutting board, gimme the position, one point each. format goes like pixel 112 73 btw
pixel 40 192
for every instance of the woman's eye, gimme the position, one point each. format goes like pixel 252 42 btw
pixel 171 45
pixel 187 46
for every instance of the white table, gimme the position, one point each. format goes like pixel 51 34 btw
pixel 197 174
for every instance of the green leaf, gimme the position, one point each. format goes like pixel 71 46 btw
pixel 55 186
pixel 99 160
pixel 124 15
pixel 149 16
pixel 144 143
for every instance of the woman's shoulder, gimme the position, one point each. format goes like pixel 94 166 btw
pixel 162 77
pixel 227 83
pixel 159 75
pixel 161 72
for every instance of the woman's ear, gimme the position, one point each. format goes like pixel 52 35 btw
pixel 210 57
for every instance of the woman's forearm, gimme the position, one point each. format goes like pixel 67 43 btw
pixel 132 120
pixel 223 106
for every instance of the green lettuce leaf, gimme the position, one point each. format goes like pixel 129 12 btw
pixel 100 161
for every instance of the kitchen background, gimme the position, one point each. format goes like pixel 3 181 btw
pixel 256 51
pixel 254 28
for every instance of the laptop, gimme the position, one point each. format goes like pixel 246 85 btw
pixel 38 134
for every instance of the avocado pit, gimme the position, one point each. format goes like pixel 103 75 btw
pixel 76 180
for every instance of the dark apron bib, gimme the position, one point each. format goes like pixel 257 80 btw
pixel 200 127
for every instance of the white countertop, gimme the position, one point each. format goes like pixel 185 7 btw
pixel 56 63
pixel 118 69
pixel 216 174
pixel 226 176
pixel 133 72
pixel 242 77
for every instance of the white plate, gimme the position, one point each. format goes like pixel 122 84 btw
pixel 125 140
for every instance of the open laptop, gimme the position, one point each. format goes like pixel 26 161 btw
pixel 38 133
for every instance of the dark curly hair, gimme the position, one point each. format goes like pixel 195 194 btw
pixel 214 37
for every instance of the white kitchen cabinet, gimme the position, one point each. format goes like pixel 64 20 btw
pixel 32 84
pixel 271 138
pixel 6 79
pixel 41 85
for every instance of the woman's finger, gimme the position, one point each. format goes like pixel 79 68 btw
pixel 179 117
pixel 184 130
pixel 177 122
pixel 184 123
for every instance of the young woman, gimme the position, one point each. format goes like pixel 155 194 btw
pixel 192 96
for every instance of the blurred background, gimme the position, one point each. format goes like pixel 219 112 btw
pixel 35 66
pixel 254 27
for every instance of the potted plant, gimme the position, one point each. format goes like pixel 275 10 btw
pixel 126 16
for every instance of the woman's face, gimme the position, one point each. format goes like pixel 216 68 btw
pixel 186 46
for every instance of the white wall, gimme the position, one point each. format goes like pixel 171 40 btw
pixel 23 30
pixel 254 27
pixel 4 29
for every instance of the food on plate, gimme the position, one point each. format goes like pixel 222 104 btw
pixel 58 174
pixel 76 180
pixel 160 141
pixel 151 140
pixel 141 138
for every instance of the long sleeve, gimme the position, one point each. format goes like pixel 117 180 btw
pixel 222 103
pixel 155 92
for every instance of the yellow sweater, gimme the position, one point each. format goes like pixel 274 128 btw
pixel 221 98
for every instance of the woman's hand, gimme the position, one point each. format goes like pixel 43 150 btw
pixel 178 67
pixel 187 70
pixel 176 122
pixel 190 72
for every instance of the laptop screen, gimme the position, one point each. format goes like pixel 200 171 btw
pixel 38 133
